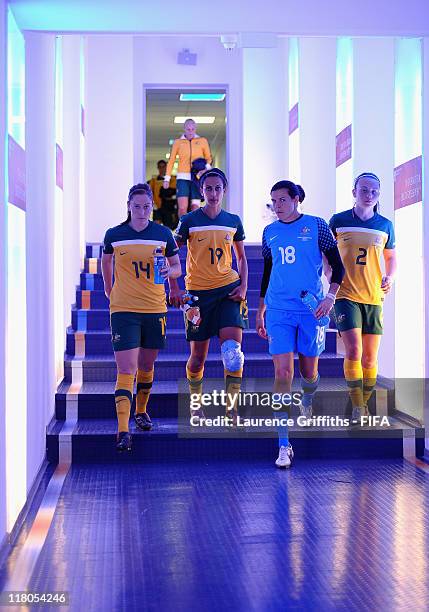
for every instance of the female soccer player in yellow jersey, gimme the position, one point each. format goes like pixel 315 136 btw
pixel 210 234
pixel 137 303
pixel 363 236
pixel 188 148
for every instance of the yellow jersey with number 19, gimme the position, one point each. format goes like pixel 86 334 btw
pixel 209 241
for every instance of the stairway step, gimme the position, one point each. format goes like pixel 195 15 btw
pixel 98 319
pixel 98 342
pixel 93 440
pixel 170 366
pixel 97 401
pixel 87 299
pixel 93 282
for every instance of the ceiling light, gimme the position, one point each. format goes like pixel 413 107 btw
pixel 202 97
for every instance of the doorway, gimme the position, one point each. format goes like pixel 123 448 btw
pixel 167 109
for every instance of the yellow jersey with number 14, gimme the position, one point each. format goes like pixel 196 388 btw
pixel 134 289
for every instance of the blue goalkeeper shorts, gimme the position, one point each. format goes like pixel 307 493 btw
pixel 294 332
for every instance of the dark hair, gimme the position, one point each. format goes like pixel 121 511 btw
pixel 161 161
pixel 140 188
pixel 292 189
pixel 213 172
pixel 370 175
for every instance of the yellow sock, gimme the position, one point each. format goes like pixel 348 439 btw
pixel 369 380
pixel 123 399
pixel 353 374
pixel 232 387
pixel 144 387
pixel 195 382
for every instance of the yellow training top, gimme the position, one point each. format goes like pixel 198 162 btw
pixel 188 150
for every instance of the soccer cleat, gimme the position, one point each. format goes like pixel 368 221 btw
pixel 199 413
pixel 284 460
pixel 231 417
pixel 123 441
pixel 142 420
pixel 356 414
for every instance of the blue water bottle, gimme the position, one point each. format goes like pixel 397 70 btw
pixel 311 302
pixel 158 263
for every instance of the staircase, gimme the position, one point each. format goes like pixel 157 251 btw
pixel 85 416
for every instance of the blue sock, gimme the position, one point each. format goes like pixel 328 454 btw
pixel 309 388
pixel 282 429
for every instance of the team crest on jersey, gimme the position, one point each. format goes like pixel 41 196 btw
pixel 305 231
pixel 228 237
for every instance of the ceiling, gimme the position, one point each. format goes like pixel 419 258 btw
pixel 287 17
pixel 162 105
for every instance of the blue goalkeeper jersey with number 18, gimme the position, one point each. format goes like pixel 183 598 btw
pixel 296 251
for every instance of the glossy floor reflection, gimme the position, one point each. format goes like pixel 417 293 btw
pixel 326 535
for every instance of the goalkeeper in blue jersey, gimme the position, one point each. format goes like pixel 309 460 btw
pixel 292 248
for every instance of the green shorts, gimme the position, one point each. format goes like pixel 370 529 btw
pixel 351 315
pixel 138 329
pixel 217 311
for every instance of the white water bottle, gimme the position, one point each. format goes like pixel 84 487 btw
pixel 191 311
pixel 311 302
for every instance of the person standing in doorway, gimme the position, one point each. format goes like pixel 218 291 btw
pixel 188 148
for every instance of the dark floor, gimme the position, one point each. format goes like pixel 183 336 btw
pixel 326 535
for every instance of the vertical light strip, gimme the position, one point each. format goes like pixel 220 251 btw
pixel 409 338
pixel 82 237
pixel 16 325
pixel 294 149
pixel 59 323
pixel 344 117
pixel 26 560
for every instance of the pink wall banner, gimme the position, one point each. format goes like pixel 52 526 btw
pixel 408 183
pixel 343 142
pixel 59 166
pixel 82 120
pixel 16 174
pixel 293 118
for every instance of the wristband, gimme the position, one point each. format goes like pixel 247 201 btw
pixel 331 295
